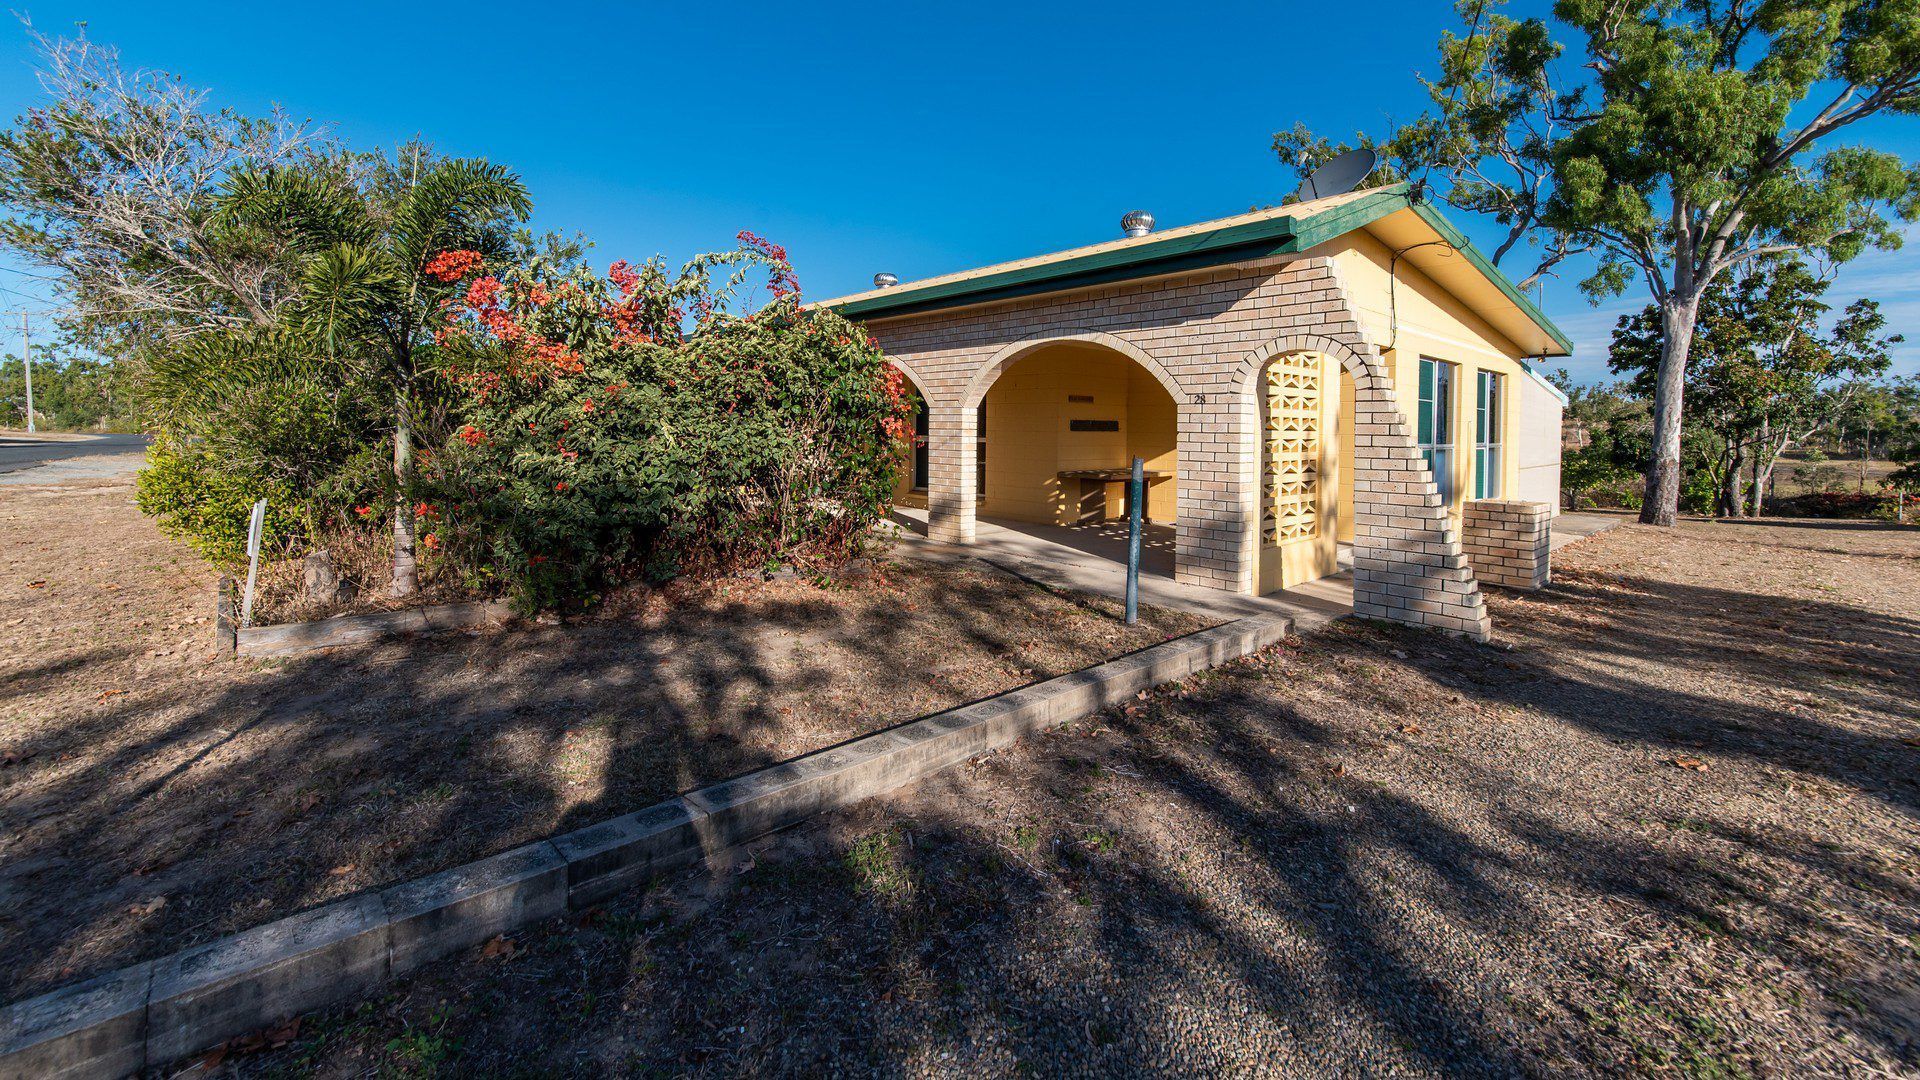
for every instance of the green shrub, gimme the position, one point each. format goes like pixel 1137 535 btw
pixel 210 508
pixel 609 435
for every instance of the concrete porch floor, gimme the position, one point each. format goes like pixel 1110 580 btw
pixel 1092 558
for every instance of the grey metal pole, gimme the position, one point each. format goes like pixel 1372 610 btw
pixel 1136 496
pixel 26 363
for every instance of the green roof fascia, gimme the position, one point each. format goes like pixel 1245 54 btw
pixel 1283 235
pixel 1480 262
pixel 1358 214
pixel 1048 279
pixel 1216 247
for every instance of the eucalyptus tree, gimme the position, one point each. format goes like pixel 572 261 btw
pixel 1763 376
pixel 1679 141
pixel 362 232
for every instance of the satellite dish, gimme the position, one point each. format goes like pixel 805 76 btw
pixel 1338 176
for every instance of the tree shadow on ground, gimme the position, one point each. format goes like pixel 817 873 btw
pixel 336 772
pixel 1375 851
pixel 1814 674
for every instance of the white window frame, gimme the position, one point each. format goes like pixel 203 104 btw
pixel 1488 418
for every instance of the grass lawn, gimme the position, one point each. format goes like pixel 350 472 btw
pixel 1666 825
pixel 153 796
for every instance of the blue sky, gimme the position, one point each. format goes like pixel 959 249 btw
pixel 916 139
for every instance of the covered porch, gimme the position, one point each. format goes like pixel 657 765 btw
pixel 1093 558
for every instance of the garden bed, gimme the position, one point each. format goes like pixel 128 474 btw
pixel 155 796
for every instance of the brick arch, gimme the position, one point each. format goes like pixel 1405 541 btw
pixel 1362 365
pixel 1408 562
pixel 913 377
pixel 990 372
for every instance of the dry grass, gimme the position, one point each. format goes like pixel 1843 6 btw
pixel 1667 826
pixel 153 795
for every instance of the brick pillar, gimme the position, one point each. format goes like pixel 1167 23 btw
pixel 1508 540
pixel 951 446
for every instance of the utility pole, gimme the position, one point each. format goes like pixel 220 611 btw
pixel 26 363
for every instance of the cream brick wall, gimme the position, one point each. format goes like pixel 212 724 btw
pixel 1508 541
pixel 1206 338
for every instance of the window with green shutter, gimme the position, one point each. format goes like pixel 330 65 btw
pixel 1433 422
pixel 1486 438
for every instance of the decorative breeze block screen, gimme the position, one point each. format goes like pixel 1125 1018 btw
pixel 1292 503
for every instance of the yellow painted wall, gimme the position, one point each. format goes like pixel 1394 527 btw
pixel 1432 322
pixel 1345 485
pixel 1029 444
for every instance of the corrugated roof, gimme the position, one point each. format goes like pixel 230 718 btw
pixel 1297 212
pixel 1260 234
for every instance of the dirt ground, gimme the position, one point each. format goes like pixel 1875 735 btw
pixel 1665 826
pixel 153 795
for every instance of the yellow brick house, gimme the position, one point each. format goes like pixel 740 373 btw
pixel 1346 373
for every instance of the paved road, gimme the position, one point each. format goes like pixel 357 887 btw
pixel 21 452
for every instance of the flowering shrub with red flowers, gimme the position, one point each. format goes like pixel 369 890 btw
pixel 647 422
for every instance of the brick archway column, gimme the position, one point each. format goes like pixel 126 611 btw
pixel 950 472
pixel 1408 564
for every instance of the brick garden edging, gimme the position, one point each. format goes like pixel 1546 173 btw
pixel 285 639
pixel 159 1011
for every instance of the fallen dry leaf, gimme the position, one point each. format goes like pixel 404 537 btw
pixel 149 907
pixel 501 947
pixel 1410 728
pixel 1693 763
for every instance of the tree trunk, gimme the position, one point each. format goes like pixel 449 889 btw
pixel 406 580
pixel 1731 498
pixel 1662 503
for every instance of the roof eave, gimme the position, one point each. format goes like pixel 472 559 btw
pixel 1459 242
pixel 1224 246
pixel 1227 245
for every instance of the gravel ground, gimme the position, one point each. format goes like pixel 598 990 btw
pixel 1664 826
pixel 153 795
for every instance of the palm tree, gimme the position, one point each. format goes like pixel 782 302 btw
pixel 362 231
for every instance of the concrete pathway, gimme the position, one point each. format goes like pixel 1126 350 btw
pixel 1572 525
pixel 1092 559
pixel 1088 559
